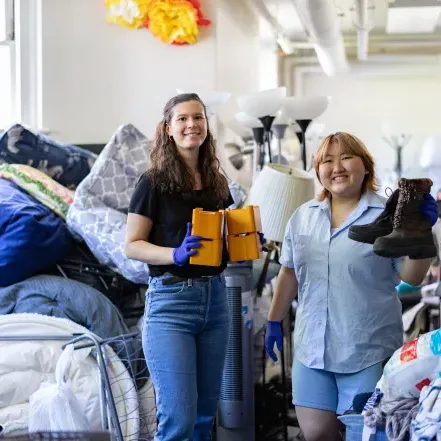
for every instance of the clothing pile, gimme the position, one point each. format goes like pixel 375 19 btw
pixel 406 404
pixel 63 213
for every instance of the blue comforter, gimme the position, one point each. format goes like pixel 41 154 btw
pixel 32 237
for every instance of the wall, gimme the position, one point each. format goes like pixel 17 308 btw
pixel 97 76
pixel 366 105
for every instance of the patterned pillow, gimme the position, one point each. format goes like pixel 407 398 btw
pixel 99 211
pixel 66 164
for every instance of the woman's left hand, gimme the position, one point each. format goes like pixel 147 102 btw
pixel 430 208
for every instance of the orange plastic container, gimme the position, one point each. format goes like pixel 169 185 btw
pixel 207 224
pixel 210 226
pixel 243 227
pixel 244 247
pixel 243 220
pixel 209 254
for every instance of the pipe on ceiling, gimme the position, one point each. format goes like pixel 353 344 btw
pixel 321 24
pixel 363 28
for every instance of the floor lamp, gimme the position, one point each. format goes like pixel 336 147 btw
pixel 264 106
pixel 279 131
pixel 278 191
pixel 258 132
pixel 398 142
pixel 304 124
pixel 303 110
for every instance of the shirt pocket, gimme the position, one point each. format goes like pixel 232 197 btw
pixel 302 244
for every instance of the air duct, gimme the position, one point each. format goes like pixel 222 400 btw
pixel 320 21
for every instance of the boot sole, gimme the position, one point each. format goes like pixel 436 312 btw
pixel 423 251
pixel 365 238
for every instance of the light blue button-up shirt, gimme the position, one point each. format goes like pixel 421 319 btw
pixel 349 314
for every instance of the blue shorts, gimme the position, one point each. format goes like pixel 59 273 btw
pixel 324 390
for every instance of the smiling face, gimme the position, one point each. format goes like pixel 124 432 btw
pixel 342 173
pixel 188 125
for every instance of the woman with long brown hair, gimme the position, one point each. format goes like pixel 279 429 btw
pixel 186 325
pixel 349 316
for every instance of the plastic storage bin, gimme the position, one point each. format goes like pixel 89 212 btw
pixel 210 226
pixel 243 227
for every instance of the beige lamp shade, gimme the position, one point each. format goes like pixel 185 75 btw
pixel 278 191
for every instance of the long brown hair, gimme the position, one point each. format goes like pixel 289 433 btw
pixel 167 168
pixel 353 145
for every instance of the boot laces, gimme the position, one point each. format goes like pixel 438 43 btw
pixel 386 190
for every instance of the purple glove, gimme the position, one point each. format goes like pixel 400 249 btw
pixel 430 208
pixel 273 335
pixel 182 254
pixel 262 242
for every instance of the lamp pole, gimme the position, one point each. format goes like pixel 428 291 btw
pixel 304 124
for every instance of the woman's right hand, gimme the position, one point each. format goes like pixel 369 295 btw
pixel 273 335
pixel 181 255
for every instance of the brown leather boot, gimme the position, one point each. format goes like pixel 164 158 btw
pixel 412 230
pixel 381 226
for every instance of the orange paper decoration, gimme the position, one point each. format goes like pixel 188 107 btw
pixel 171 21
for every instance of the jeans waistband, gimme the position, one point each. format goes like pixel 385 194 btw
pixel 170 279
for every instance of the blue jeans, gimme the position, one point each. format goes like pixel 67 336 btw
pixel 185 337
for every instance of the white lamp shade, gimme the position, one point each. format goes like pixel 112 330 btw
pixel 305 108
pixel 247 120
pixel 239 129
pixel 281 117
pixel 264 103
pixel 212 100
pixel 278 191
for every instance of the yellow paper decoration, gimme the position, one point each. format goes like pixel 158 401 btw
pixel 173 21
pixel 129 13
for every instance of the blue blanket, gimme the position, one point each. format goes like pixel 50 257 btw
pixel 32 237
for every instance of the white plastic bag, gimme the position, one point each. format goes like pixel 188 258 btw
pixel 413 366
pixel 54 407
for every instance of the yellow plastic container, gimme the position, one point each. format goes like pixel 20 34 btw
pixel 243 220
pixel 244 247
pixel 209 254
pixel 207 224
pixel 210 226
pixel 243 227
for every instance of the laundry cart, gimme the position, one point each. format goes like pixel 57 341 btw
pixel 127 399
pixel 111 374
pixel 60 436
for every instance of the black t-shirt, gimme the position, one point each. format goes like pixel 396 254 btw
pixel 170 213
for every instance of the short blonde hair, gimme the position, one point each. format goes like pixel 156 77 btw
pixel 353 145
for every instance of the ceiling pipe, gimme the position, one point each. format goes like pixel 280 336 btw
pixel 320 22
pixel 375 42
pixel 363 28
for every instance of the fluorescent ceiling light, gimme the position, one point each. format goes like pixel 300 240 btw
pixel 412 20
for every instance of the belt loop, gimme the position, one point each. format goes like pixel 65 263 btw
pixel 190 282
